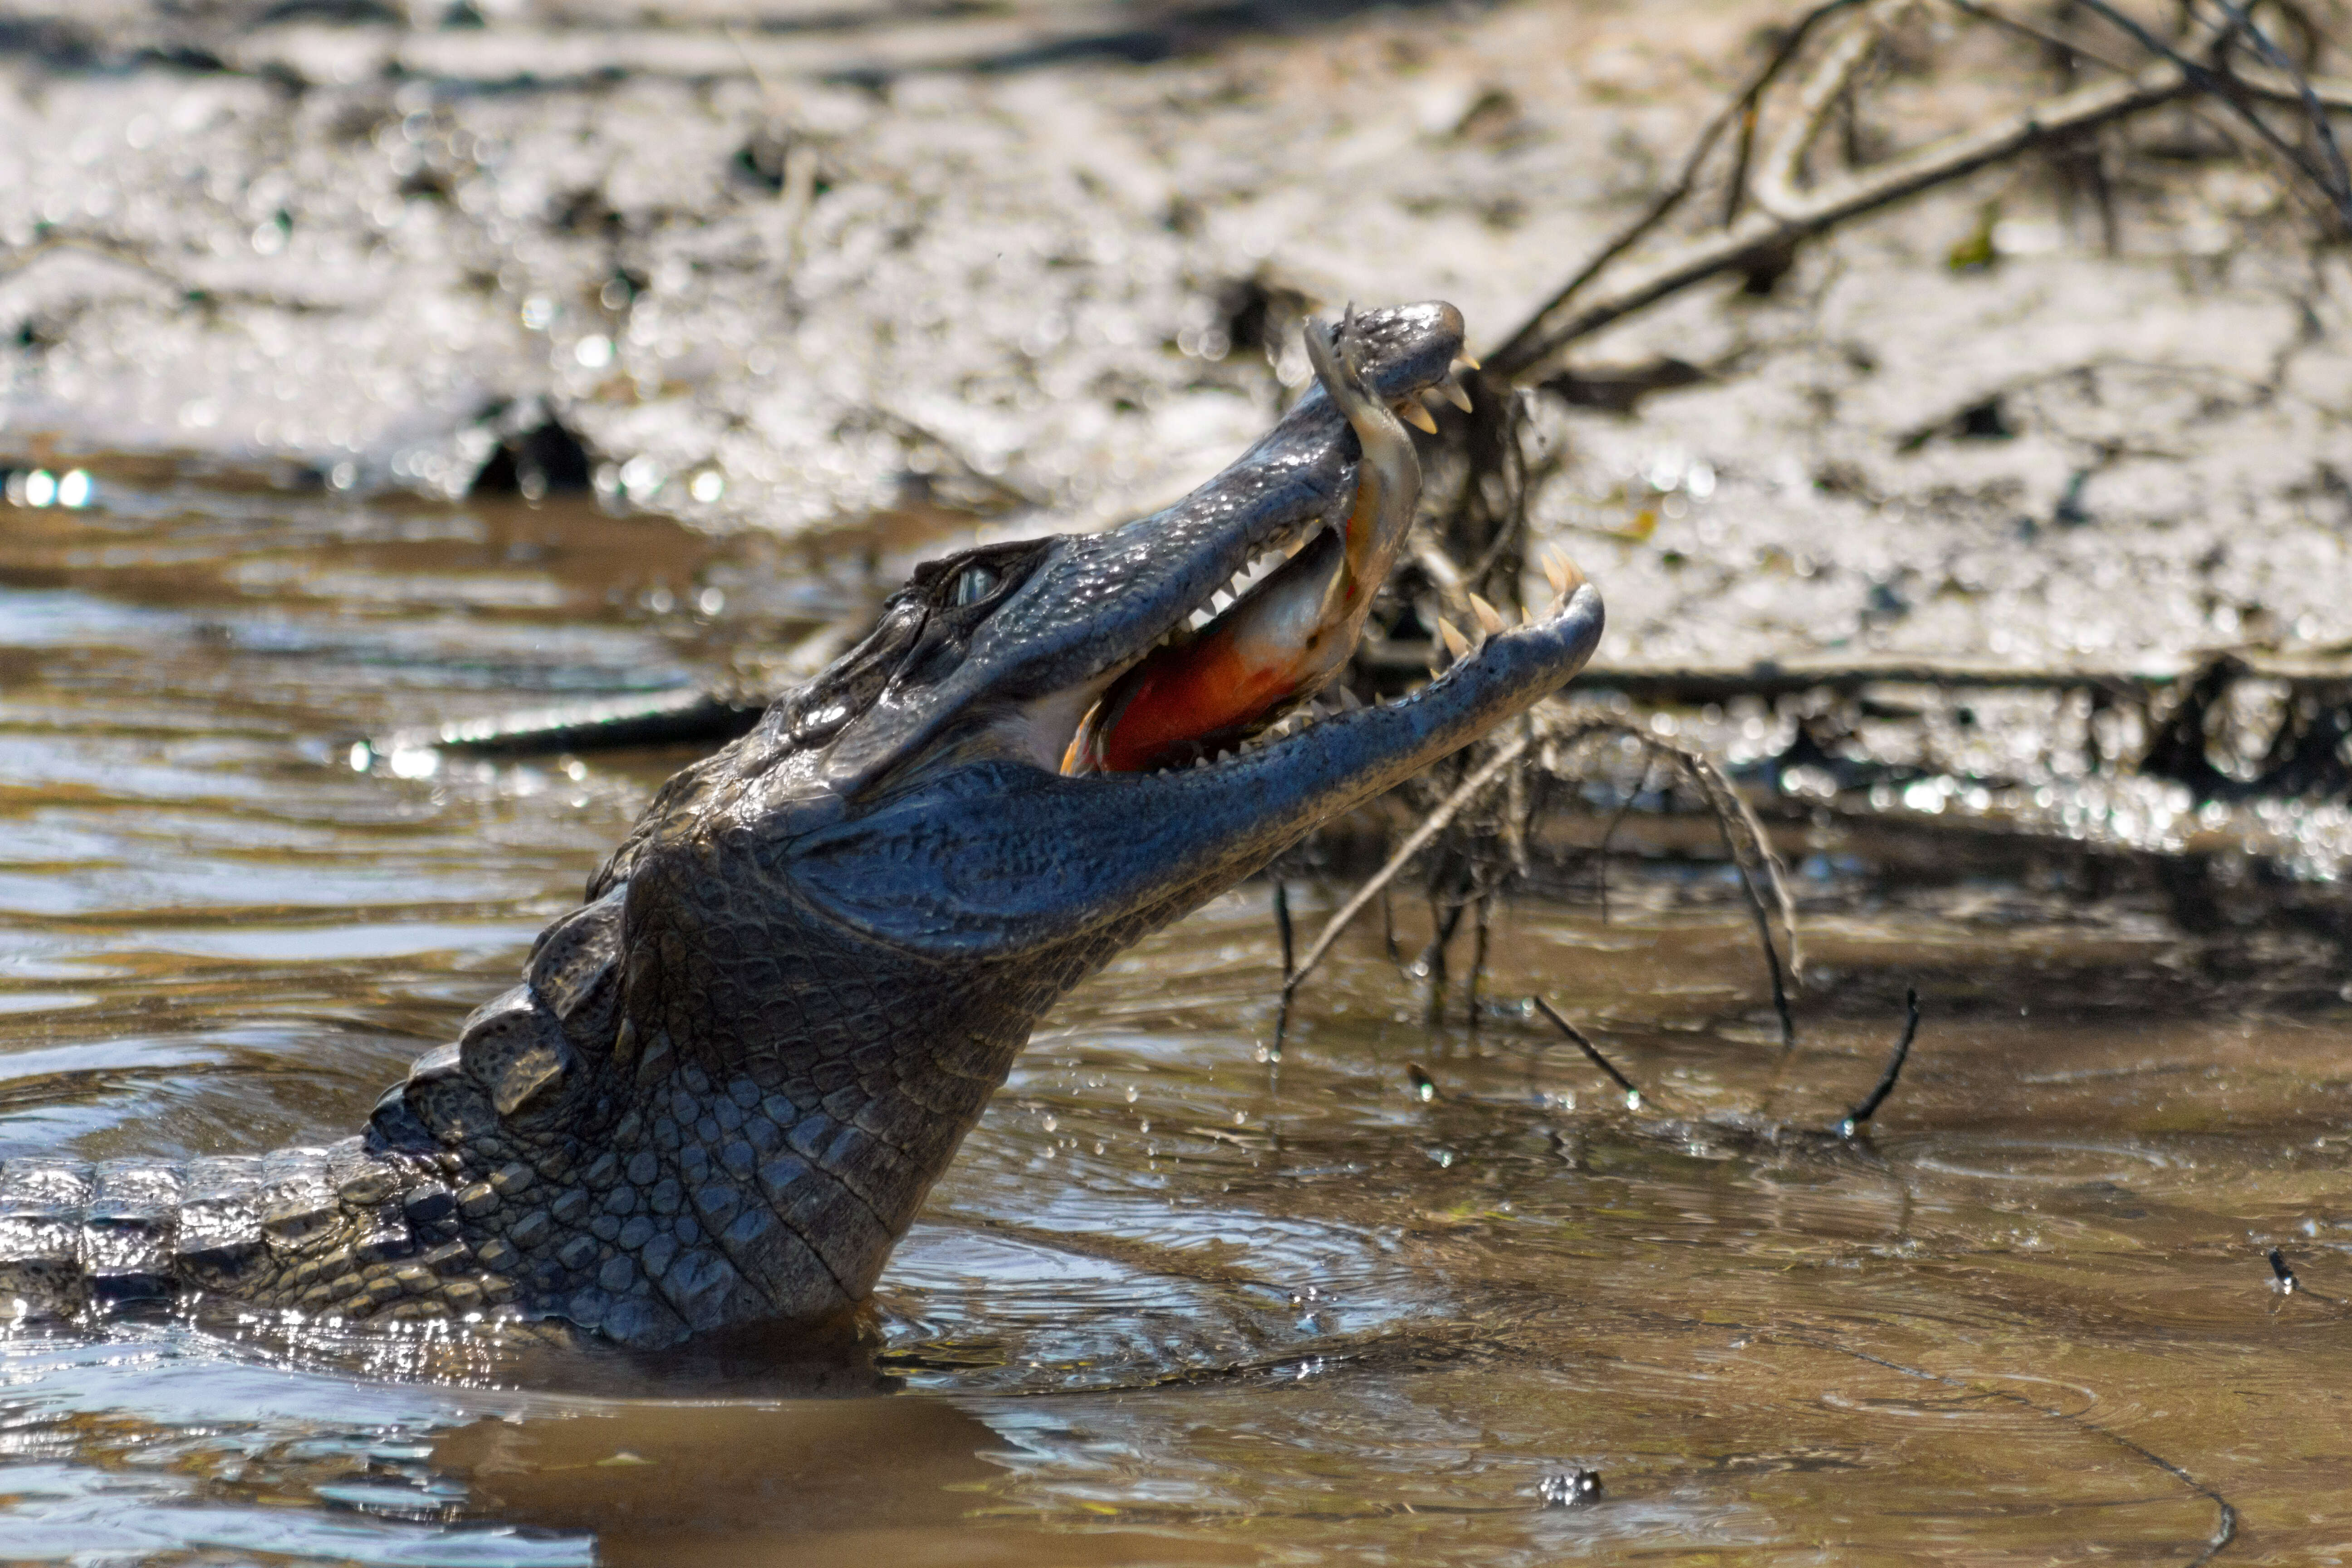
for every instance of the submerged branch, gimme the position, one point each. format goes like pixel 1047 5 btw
pixel 1762 879
pixel 1593 1053
pixel 1432 826
pixel 1859 1116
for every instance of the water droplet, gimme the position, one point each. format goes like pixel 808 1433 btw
pixel 642 478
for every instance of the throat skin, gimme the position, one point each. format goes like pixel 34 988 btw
pixel 728 1079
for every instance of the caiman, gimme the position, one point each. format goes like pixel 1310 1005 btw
pixel 730 1076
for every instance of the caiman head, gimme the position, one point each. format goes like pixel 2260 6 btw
pixel 732 1078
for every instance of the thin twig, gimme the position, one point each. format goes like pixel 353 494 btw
pixel 1751 851
pixel 1480 934
pixel 1729 806
pixel 2339 186
pixel 1616 821
pixel 1432 826
pixel 2224 86
pixel 1591 1052
pixel 1282 922
pixel 1859 1116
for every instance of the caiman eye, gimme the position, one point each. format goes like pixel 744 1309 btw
pixel 976 584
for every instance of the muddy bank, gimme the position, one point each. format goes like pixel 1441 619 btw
pixel 777 270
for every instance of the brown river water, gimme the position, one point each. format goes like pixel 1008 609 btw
pixel 1174 1303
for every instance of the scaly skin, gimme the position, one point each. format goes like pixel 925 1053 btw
pixel 729 1077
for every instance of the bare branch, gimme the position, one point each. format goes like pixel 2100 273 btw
pixel 2222 85
pixel 1859 1116
pixel 1742 108
pixel 1529 350
pixel 1774 186
pixel 2336 180
pixel 1469 790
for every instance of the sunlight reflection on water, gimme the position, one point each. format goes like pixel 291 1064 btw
pixel 1173 1302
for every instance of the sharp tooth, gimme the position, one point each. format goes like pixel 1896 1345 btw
pixel 1349 700
pixel 1561 573
pixel 1451 392
pixel 1467 357
pixel 1414 415
pixel 1455 643
pixel 1488 616
pixel 1218 601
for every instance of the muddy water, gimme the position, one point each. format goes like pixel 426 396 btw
pixel 1171 1305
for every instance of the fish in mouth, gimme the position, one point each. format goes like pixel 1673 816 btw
pixel 1207 689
